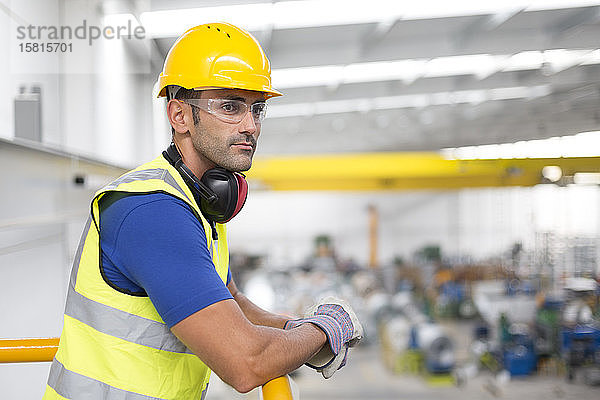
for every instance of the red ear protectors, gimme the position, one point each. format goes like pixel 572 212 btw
pixel 220 193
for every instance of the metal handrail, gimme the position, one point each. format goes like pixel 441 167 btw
pixel 44 349
pixel 27 350
pixel 277 389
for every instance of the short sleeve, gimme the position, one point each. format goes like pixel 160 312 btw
pixel 161 246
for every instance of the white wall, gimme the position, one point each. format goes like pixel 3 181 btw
pixel 97 99
pixel 6 85
pixel 42 214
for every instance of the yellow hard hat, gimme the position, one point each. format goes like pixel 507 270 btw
pixel 217 55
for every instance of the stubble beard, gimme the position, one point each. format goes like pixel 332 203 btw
pixel 221 154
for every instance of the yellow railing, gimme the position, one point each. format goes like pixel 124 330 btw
pixel 277 389
pixel 43 349
pixel 27 350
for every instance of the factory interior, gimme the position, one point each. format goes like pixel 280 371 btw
pixel 434 163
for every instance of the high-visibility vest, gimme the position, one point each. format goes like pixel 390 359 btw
pixel 115 345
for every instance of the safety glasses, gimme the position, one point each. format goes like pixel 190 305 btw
pixel 230 110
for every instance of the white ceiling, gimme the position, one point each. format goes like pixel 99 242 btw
pixel 428 111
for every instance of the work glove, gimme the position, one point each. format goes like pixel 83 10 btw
pixel 336 318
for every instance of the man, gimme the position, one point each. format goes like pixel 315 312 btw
pixel 151 307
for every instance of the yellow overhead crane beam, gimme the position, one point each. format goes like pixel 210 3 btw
pixel 404 171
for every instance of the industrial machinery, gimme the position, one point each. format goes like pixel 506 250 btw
pixel 581 349
pixel 547 327
pixel 409 331
pixel 437 348
pixel 518 354
pixel 580 332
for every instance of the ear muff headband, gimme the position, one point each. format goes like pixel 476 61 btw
pixel 220 193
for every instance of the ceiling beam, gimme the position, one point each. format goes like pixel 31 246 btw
pixel 375 35
pixel 404 171
pixel 392 48
pixel 578 17
pixel 483 24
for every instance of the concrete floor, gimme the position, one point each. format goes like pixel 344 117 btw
pixel 365 377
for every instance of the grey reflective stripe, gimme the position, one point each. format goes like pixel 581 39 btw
pixel 77 258
pixel 146 174
pixel 140 175
pixel 120 324
pixel 170 180
pixel 72 385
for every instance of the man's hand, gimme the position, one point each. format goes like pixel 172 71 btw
pixel 342 328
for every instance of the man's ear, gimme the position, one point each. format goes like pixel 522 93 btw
pixel 176 116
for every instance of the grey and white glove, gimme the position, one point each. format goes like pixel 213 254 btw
pixel 336 318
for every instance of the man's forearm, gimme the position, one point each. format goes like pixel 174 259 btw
pixel 280 355
pixel 257 315
pixel 243 354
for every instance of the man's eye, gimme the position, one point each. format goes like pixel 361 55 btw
pixel 258 109
pixel 230 107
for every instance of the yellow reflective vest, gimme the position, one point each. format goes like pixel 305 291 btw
pixel 115 345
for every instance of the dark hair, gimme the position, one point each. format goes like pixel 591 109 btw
pixel 183 94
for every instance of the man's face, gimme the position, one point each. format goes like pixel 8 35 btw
pixel 226 144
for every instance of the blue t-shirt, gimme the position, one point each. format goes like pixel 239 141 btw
pixel 152 244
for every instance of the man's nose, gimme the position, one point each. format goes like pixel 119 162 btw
pixel 248 123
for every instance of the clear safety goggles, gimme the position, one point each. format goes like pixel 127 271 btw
pixel 230 110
